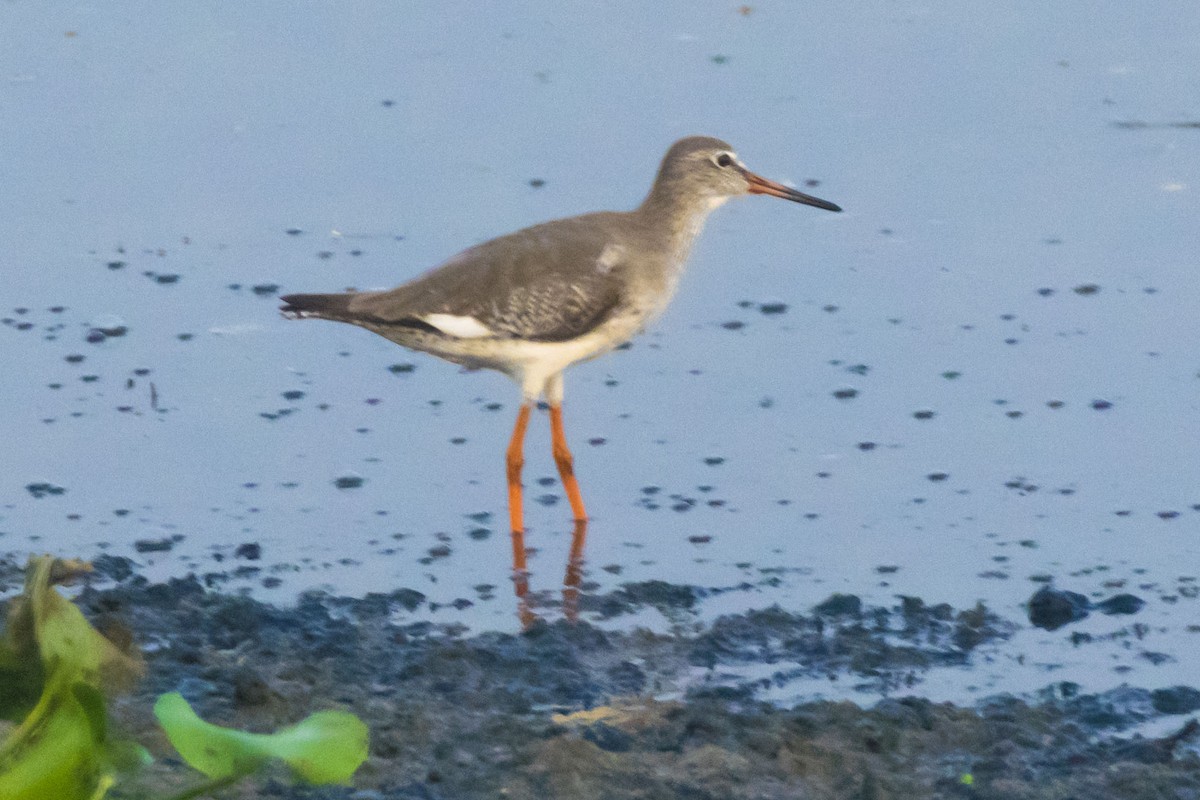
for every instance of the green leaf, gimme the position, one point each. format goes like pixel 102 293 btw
pixel 52 665
pixel 21 684
pixel 65 639
pixel 46 635
pixel 54 752
pixel 327 747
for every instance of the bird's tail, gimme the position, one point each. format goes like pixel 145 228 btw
pixel 320 306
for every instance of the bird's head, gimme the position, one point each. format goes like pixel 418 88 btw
pixel 702 167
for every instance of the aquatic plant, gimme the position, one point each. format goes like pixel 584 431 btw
pixel 326 747
pixel 57 674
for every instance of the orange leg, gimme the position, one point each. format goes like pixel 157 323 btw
pixel 566 463
pixel 515 459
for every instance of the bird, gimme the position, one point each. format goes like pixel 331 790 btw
pixel 532 303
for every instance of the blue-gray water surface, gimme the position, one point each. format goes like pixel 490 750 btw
pixel 979 378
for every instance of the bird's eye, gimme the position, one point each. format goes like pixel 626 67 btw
pixel 723 160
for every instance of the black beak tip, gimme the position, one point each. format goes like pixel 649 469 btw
pixel 815 202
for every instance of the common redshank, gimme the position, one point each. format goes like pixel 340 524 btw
pixel 532 303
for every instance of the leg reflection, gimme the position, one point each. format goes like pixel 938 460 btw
pixel 574 577
pixel 572 580
pixel 520 577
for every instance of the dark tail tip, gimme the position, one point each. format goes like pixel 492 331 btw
pixel 298 306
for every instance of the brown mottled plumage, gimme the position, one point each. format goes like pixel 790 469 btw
pixel 533 302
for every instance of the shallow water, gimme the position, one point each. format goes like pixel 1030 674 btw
pixel 979 378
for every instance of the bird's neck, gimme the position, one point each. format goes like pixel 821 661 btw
pixel 680 215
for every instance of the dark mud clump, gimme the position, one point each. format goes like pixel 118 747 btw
pixel 568 710
pixel 1052 608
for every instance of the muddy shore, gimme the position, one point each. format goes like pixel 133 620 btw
pixel 571 710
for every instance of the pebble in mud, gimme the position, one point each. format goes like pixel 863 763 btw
pixel 1051 608
pixel 1176 700
pixel 838 605
pixel 1121 604
pixel 608 738
pixel 249 688
pixel 114 568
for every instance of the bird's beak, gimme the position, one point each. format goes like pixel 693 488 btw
pixel 760 185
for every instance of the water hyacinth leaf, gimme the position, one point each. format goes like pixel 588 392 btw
pixel 46 635
pixel 91 703
pixel 116 754
pixel 52 667
pixel 327 747
pixel 55 752
pixel 217 752
pixel 21 681
pixel 65 638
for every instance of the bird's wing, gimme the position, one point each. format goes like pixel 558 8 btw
pixel 551 282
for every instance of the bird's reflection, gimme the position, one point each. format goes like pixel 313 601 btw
pixel 572 580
